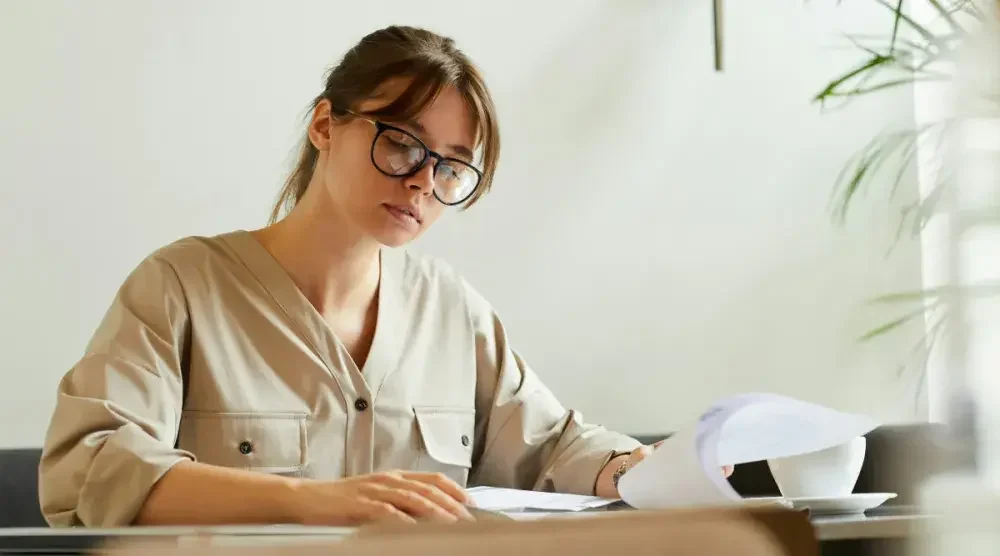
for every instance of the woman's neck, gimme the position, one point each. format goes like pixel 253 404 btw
pixel 335 269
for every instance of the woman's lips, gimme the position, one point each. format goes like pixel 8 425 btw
pixel 404 214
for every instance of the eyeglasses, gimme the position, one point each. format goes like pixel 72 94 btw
pixel 398 153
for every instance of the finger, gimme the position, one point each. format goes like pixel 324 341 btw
pixel 639 454
pixel 442 482
pixel 410 502
pixel 442 499
pixel 658 443
pixel 424 484
pixel 374 510
pixel 727 470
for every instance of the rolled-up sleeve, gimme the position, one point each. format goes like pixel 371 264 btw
pixel 117 411
pixel 525 437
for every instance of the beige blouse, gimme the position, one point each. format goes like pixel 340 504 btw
pixel 210 352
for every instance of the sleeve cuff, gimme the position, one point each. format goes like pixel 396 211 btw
pixel 121 476
pixel 577 470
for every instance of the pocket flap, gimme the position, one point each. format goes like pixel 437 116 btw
pixel 266 442
pixel 447 433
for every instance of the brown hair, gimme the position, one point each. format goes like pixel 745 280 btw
pixel 431 62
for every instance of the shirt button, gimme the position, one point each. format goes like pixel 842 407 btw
pixel 361 404
pixel 246 448
pixel 465 440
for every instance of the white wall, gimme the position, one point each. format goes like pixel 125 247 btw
pixel 658 234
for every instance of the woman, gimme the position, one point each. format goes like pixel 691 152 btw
pixel 306 373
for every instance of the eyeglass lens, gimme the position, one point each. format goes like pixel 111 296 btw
pixel 397 153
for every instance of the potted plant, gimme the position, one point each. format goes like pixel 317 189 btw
pixel 911 54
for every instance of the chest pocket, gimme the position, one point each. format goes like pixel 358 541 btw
pixel 446 435
pixel 264 442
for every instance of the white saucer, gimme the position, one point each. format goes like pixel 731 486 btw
pixel 850 504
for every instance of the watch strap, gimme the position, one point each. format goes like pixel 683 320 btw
pixel 617 475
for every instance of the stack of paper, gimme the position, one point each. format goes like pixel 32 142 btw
pixel 512 500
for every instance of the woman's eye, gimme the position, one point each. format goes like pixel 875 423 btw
pixel 398 144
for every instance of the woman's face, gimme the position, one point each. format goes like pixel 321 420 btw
pixel 391 210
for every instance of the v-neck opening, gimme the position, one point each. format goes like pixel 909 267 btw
pixel 277 281
pixel 379 304
pixel 383 352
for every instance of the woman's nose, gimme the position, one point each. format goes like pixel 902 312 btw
pixel 423 179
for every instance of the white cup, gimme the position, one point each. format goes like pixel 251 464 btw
pixel 828 473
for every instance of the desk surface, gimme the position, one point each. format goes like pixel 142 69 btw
pixel 887 526
pixel 833 528
pixel 884 524
pixel 79 540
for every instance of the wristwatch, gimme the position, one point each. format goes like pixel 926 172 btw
pixel 617 475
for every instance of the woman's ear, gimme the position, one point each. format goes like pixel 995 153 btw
pixel 321 126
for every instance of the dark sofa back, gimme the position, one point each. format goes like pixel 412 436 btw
pixel 19 488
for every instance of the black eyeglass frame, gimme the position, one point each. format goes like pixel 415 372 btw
pixel 382 127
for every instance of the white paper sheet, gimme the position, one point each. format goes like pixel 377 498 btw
pixel 769 426
pixel 686 469
pixel 513 500
pixel 673 475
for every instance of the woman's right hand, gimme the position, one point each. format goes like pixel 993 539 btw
pixel 401 496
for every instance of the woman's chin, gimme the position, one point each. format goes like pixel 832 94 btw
pixel 395 237
pixel 394 232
